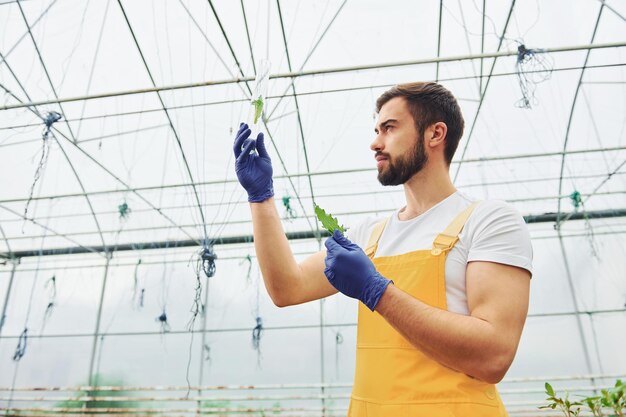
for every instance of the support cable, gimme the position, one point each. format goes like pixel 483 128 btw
pixel 230 47
pixel 482 46
pixel 45 70
pixel 93 65
pixel 620 311
pixel 195 22
pixel 245 23
pixel 3 316
pixel 15 45
pixel 293 88
pixel 61 235
pixel 226 222
pixel 126 186
pixel 604 3
pixel 306 60
pixel 80 183
pixel 570 279
pixel 6 241
pixel 462 186
pixel 293 75
pixel 346 171
pixel 595 190
pixel 96 333
pixel 315 92
pixel 439 39
pixel 180 145
pixel 483 93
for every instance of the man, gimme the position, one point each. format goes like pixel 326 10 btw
pixel 443 283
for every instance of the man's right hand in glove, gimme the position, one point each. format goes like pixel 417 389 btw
pixel 253 165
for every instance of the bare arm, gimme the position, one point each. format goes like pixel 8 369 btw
pixel 287 282
pixel 482 344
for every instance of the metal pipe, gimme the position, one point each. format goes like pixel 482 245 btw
pixel 461 186
pixel 316 386
pixel 98 319
pixel 184 398
pixel 315 92
pixel 301 326
pixel 312 73
pixel 117 232
pixel 335 172
pixel 537 218
pixel 6 297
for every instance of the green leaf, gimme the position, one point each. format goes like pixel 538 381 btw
pixel 549 390
pixel 258 108
pixel 328 221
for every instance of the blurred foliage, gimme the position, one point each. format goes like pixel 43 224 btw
pixel 610 403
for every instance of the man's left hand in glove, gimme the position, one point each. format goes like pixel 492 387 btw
pixel 351 272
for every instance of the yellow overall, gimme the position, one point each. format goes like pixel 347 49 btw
pixel 393 378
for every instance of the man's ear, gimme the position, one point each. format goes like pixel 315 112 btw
pixel 436 134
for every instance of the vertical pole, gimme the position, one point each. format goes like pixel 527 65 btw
pixel 572 291
pixel 439 38
pixel 99 317
pixel 201 376
pixel 6 298
pixel 482 49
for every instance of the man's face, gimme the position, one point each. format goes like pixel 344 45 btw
pixel 399 147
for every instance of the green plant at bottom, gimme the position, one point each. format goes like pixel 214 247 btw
pixel 613 399
pixel 595 405
pixel 568 408
pixel 102 381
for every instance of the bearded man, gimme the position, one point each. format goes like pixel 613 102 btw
pixel 443 283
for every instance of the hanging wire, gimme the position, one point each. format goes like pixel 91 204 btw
pixel 256 334
pixel 197 306
pixel 533 66
pixel 207 353
pixel 52 284
pixel 205 262
pixel 258 328
pixel 51 118
pixel 290 212
pixel 248 260
pixel 578 203
pixel 20 350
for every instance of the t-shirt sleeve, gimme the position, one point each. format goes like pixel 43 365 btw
pixel 500 235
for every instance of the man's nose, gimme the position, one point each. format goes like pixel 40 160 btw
pixel 377 144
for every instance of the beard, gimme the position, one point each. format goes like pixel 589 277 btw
pixel 401 170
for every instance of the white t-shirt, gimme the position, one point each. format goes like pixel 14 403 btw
pixel 495 232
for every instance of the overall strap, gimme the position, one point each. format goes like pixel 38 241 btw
pixel 448 238
pixel 372 245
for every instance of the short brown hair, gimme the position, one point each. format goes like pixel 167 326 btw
pixel 430 103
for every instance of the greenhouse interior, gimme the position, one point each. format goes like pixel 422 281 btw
pixel 129 279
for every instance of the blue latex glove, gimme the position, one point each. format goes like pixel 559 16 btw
pixel 253 165
pixel 351 272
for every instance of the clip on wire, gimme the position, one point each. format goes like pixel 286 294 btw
pixel 208 257
pixel 256 333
